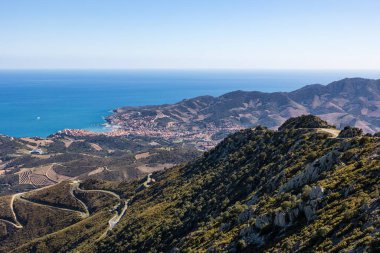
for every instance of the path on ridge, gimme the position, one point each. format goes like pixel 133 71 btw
pixel 333 132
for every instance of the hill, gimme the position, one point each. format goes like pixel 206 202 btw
pixel 300 189
pixel 206 120
pixel 28 163
pixel 305 121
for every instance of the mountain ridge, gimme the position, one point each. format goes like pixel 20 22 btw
pixel 261 190
pixel 350 101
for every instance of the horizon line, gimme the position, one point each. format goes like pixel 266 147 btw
pixel 184 69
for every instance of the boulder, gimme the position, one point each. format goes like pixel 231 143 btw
pixel 245 215
pixel 316 192
pixel 309 209
pixel 280 219
pixel 350 132
pixel 263 221
pixel 252 201
pixel 251 236
pixel 293 214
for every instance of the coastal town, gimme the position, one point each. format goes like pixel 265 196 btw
pixel 203 138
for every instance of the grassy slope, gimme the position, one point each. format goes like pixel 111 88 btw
pixel 5 208
pixel 57 195
pixel 70 238
pixel 77 237
pixel 37 221
pixel 47 229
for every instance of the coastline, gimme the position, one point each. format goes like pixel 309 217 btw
pixel 40 103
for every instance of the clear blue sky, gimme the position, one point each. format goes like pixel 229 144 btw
pixel 248 34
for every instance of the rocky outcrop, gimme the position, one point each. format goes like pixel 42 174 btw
pixel 293 214
pixel 246 215
pixel 253 200
pixel 280 219
pixel 316 192
pixel 312 171
pixel 251 236
pixel 263 221
pixel 288 217
pixel 350 132
pixel 309 209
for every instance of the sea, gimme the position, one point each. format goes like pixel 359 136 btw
pixel 42 102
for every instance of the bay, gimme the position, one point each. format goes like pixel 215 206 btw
pixel 42 102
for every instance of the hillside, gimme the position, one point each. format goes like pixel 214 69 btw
pixel 300 189
pixel 206 120
pixel 28 163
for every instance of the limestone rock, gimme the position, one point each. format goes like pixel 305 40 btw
pixel 263 221
pixel 251 236
pixel 312 171
pixel 316 192
pixel 253 200
pixel 293 214
pixel 280 219
pixel 310 209
pixel 245 215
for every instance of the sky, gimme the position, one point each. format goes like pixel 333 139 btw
pixel 190 34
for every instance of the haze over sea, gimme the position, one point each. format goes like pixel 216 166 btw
pixel 39 103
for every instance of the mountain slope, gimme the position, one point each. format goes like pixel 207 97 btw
pixel 296 189
pixel 207 120
pixel 300 189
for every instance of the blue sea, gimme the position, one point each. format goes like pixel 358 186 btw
pixel 39 103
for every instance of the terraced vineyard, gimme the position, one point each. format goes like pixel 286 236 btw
pixel 97 157
pixel 24 177
pixel 40 180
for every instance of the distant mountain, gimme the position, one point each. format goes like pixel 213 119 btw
pixel 305 188
pixel 351 101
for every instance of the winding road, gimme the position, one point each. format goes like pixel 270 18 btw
pixel 19 196
pixel 115 219
pixel 16 224
pixel 75 187
pixel 118 215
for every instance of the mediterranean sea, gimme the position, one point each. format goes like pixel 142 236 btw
pixel 39 103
